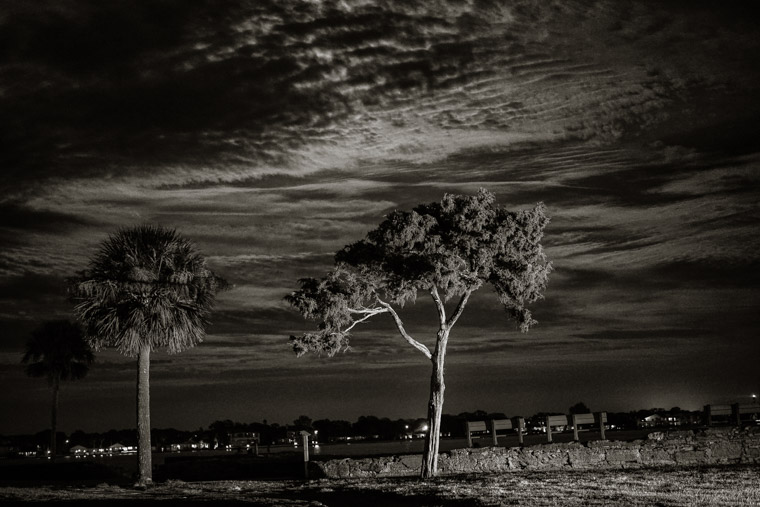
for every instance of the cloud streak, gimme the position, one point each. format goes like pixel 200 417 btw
pixel 274 133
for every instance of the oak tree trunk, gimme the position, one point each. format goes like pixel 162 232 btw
pixel 54 419
pixel 144 458
pixel 435 407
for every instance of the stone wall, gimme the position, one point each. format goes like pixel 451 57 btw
pixel 702 447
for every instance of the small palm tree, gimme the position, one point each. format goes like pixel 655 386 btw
pixel 146 288
pixel 57 351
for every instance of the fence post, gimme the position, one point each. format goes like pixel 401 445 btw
pixel 493 433
pixel 520 429
pixel 469 434
pixel 575 427
pixel 305 436
pixel 602 417
pixel 548 430
pixel 736 413
pixel 708 415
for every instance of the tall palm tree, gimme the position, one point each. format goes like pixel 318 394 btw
pixel 57 351
pixel 146 288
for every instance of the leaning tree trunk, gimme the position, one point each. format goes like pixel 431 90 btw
pixel 54 418
pixel 144 458
pixel 435 407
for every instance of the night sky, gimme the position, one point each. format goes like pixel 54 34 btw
pixel 273 133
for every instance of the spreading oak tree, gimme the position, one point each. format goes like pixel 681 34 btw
pixel 146 288
pixel 447 249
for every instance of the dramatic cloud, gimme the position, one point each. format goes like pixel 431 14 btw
pixel 272 133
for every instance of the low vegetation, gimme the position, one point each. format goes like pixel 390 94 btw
pixel 713 486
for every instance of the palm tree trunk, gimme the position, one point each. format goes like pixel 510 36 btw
pixel 435 407
pixel 144 458
pixel 54 419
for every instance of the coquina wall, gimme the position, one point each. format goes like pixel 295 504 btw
pixel 703 447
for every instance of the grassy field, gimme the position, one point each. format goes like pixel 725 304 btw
pixel 713 486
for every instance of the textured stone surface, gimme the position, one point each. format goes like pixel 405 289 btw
pixel 719 432
pixel 687 435
pixel 751 454
pixel 622 456
pixel 657 457
pixel 413 462
pixel 539 459
pixel 726 451
pixel 690 457
pixel 709 446
pixel 343 468
pixel 586 458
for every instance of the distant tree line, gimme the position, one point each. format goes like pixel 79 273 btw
pixel 367 427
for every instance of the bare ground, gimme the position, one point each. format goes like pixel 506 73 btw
pixel 713 486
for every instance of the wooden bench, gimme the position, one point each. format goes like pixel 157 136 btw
pixel 472 427
pixel 517 423
pixel 600 418
pixel 574 421
pixel 553 421
pixel 496 425
pixel 740 410
pixel 718 411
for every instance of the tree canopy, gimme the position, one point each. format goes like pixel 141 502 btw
pixel 57 351
pixel 453 246
pixel 579 408
pixel 146 285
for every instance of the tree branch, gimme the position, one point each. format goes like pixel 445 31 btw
pixel 371 311
pixel 439 305
pixel 368 312
pixel 459 309
pixel 400 325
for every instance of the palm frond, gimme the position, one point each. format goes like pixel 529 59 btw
pixel 148 285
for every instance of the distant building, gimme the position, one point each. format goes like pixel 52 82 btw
pixel 244 440
pixel 291 437
pixel 420 428
pixel 79 450
pixel 670 419
pixel 650 421
pixel 117 447
pixel 190 445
